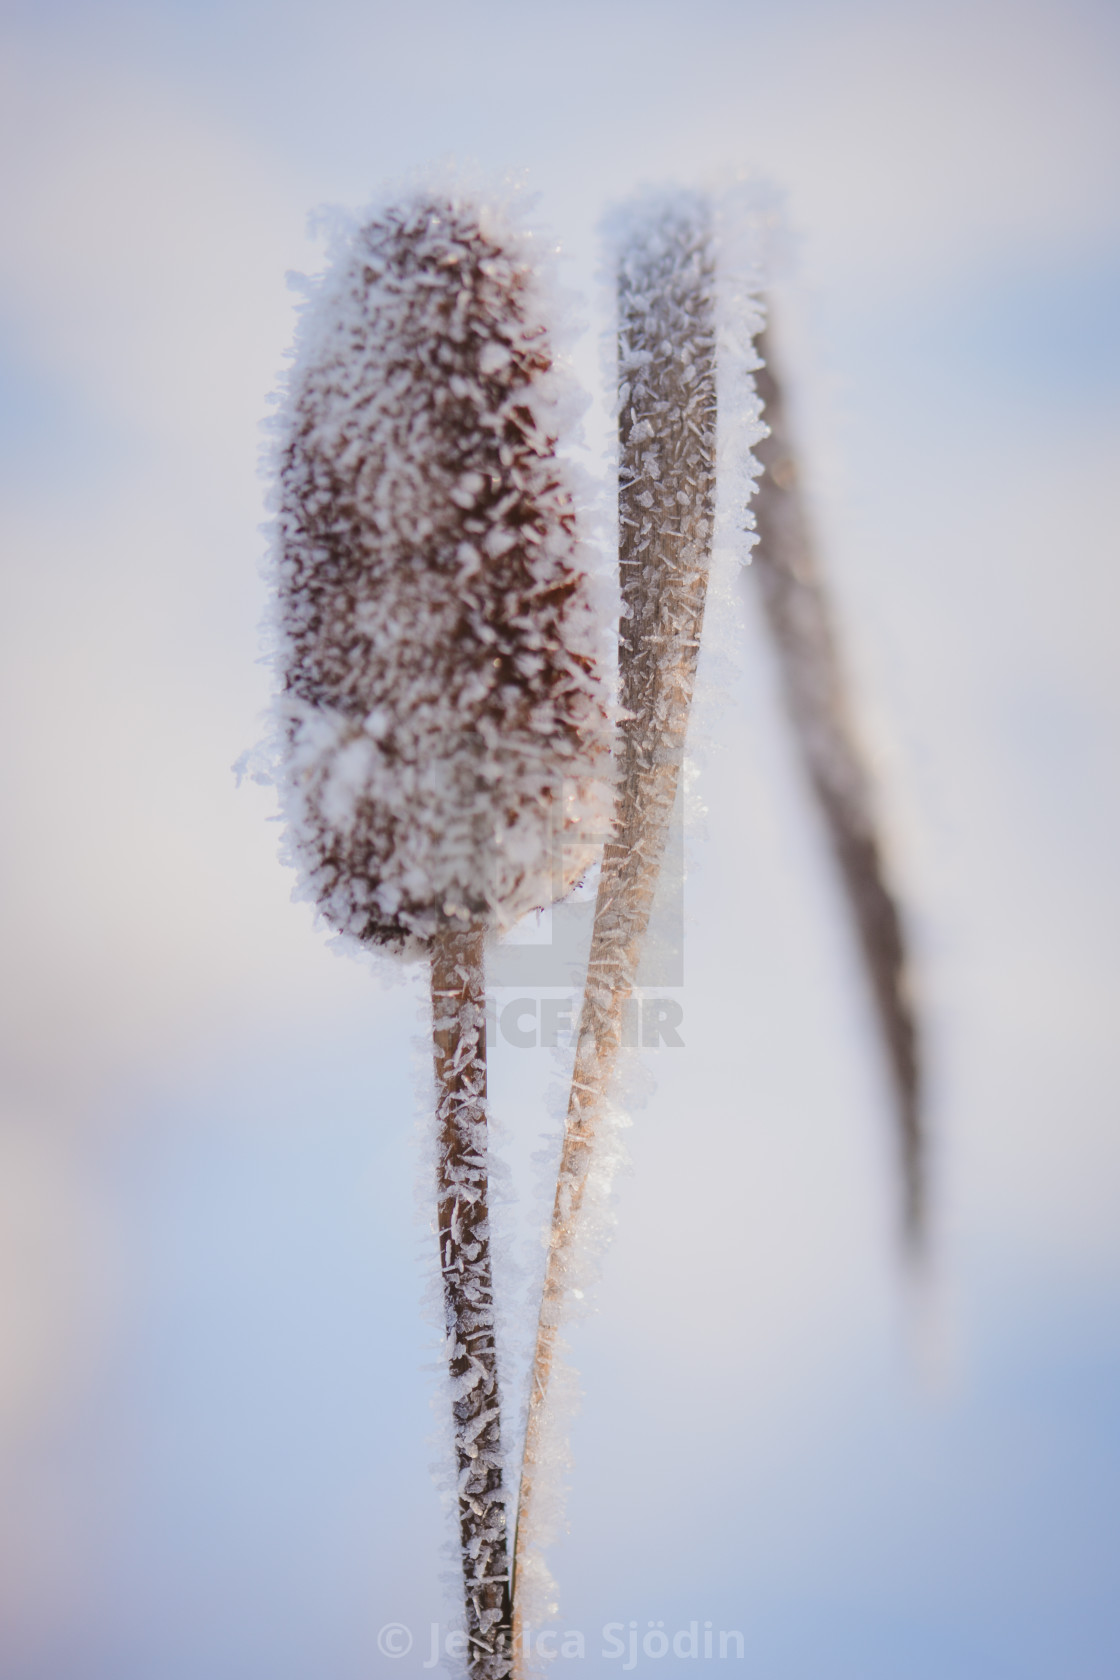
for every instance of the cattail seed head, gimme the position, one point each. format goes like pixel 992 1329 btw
pixel 443 720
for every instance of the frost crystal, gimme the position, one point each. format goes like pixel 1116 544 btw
pixel 459 1013
pixel 442 716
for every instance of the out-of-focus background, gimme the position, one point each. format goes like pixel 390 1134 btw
pixel 215 1415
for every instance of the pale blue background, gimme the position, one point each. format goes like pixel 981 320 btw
pixel 214 1411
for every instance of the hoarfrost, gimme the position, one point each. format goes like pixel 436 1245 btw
pixel 688 268
pixel 440 722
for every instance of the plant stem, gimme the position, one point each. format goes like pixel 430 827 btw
pixel 667 370
pixel 797 609
pixel 459 1034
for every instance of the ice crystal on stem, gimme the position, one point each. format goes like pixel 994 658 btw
pixel 458 1011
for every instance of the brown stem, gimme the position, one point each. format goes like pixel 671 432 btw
pixel 797 610
pixel 459 1035
pixel 667 368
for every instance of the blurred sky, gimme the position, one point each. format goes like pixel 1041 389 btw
pixel 215 1422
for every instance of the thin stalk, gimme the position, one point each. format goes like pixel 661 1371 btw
pixel 797 609
pixel 667 429
pixel 459 1036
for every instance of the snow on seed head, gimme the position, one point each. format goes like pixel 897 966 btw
pixel 443 720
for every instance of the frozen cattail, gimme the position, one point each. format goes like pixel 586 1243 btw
pixel 666 278
pixel 442 716
pixel 797 611
pixel 440 703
